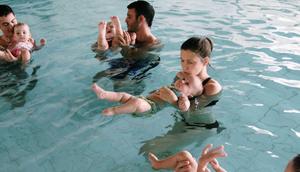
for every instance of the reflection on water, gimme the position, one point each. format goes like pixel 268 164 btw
pixel 181 135
pixel 15 83
pixel 193 126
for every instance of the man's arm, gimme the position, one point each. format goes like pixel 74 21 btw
pixel 6 55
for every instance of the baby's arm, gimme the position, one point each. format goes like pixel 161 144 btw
pixel 25 56
pixel 183 103
pixel 38 47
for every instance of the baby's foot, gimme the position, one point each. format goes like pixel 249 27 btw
pixel 99 91
pixel 108 112
pixel 116 22
pixel 102 27
pixel 102 42
pixel 154 161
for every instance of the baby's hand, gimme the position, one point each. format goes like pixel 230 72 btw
pixel 183 103
pixel 43 41
pixel 31 40
pixel 133 38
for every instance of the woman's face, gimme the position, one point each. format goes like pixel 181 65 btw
pixel 191 63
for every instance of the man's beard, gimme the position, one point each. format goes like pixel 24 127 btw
pixel 134 27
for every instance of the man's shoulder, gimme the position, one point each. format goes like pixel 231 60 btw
pixel 155 45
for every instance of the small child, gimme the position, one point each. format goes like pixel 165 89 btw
pixel 184 159
pixel 186 86
pixel 22 44
pixel 109 32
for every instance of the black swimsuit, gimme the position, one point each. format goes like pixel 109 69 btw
pixel 203 84
pixel 213 102
pixel 205 81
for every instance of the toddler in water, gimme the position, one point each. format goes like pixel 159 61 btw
pixel 109 32
pixel 186 86
pixel 22 44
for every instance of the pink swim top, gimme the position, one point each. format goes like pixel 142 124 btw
pixel 21 45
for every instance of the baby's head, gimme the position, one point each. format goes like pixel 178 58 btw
pixel 21 32
pixel 190 85
pixel 110 31
pixel 293 165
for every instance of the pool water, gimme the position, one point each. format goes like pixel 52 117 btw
pixel 50 119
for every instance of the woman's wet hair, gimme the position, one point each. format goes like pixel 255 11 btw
pixel 199 45
pixel 296 163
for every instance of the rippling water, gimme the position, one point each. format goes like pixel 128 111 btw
pixel 49 118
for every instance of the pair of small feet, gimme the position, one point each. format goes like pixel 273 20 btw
pixel 102 94
pixel 104 36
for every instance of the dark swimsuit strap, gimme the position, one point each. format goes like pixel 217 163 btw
pixel 205 81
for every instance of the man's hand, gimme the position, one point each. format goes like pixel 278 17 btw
pixel 125 40
pixel 7 56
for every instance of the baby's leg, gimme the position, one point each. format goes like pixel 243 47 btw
pixel 133 105
pixel 130 104
pixel 25 55
pixel 117 24
pixel 102 42
pixel 183 103
pixel 110 95
pixel 171 161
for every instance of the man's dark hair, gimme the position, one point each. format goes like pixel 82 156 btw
pixel 143 8
pixel 5 10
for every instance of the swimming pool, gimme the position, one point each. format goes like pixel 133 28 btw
pixel 49 117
